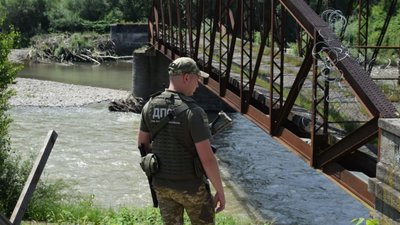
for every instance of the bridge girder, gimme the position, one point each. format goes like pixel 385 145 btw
pixel 213 31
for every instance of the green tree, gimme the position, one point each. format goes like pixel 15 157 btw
pixel 92 10
pixel 10 174
pixel 63 16
pixel 135 10
pixel 27 16
pixel 14 171
pixel 31 17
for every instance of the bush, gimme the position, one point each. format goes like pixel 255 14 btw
pixel 10 173
pixel 27 16
pixel 14 171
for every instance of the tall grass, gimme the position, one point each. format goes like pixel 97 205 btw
pixel 55 203
pixel 86 213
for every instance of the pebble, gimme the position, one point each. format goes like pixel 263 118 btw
pixel 32 92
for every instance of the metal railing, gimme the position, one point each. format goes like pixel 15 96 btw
pixel 322 104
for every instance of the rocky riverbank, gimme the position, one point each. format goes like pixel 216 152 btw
pixel 31 92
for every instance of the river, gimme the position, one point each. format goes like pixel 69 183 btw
pixel 96 152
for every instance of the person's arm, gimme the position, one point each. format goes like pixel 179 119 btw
pixel 211 169
pixel 144 138
pixel 144 134
pixel 144 144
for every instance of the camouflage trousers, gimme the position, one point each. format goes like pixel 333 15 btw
pixel 172 203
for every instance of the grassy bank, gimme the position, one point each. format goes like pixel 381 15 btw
pixel 85 213
pixel 56 203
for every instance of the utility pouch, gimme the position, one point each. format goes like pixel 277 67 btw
pixel 150 164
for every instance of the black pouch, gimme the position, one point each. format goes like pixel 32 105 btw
pixel 150 164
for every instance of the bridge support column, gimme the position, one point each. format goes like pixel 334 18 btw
pixel 150 76
pixel 149 71
pixel 386 185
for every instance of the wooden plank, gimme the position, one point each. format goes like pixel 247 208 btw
pixel 33 179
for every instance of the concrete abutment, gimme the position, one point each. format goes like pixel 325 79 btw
pixel 386 185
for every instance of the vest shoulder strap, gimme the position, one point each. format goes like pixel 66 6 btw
pixel 170 116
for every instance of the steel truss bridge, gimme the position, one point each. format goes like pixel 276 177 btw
pixel 320 102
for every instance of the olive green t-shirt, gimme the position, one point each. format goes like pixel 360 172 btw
pixel 174 145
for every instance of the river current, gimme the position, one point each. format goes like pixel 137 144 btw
pixel 96 152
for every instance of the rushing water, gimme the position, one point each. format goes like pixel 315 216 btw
pixel 96 151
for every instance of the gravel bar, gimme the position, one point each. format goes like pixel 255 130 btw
pixel 32 92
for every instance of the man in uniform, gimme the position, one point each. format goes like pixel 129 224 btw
pixel 183 149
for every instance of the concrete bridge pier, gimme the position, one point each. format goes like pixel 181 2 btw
pixel 386 185
pixel 150 76
pixel 149 72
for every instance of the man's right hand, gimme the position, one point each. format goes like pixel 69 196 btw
pixel 219 202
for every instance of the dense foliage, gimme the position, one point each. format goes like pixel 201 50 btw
pixel 378 13
pixel 32 17
pixel 10 174
pixel 13 170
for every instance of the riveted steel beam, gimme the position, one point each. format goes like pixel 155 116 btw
pixel 277 63
pixel 362 37
pixel 350 181
pixel 295 90
pixel 302 38
pixel 194 17
pixel 212 35
pixel 246 52
pixel 365 89
pixel 228 31
pixel 225 29
pixel 348 144
pixel 153 23
pixel 264 31
pixel 320 93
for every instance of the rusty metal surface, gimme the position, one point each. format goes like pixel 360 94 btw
pixel 293 93
pixel 276 75
pixel 247 80
pixel 349 143
pixel 368 92
pixel 362 37
pixel 220 34
pixel 352 183
pixel 319 110
pixel 227 42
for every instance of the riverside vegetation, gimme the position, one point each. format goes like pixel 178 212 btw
pixel 65 17
pixel 54 202
pixel 74 28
